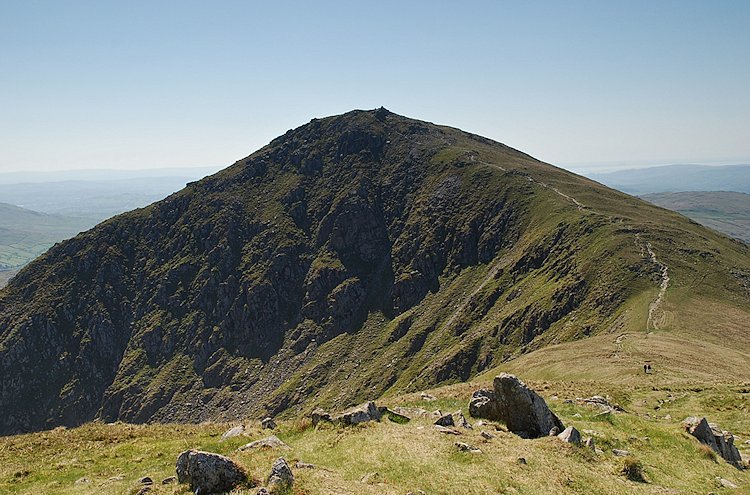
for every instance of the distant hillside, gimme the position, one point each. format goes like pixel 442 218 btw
pixel 674 178
pixel 93 194
pixel 727 212
pixel 25 234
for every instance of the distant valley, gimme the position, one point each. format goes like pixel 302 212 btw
pixel 38 209
pixel 725 211
pixel 677 178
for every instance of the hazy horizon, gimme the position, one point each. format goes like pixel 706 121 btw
pixel 148 85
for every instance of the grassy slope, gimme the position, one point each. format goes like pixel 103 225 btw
pixel 727 212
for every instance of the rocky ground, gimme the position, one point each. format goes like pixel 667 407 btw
pixel 428 443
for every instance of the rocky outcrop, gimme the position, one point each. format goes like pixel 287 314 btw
pixel 721 442
pixel 523 411
pixel 207 472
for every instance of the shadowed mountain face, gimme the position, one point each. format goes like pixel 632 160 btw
pixel 354 256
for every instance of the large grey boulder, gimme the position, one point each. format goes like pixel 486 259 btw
pixel 721 442
pixel 523 411
pixel 359 414
pixel 207 472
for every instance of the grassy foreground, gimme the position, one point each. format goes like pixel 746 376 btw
pixel 413 456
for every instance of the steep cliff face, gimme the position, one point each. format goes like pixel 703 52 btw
pixel 354 255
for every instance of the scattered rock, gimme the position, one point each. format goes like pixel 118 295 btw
pixel 281 475
pixel 465 447
pixel 81 481
pixel 620 453
pixel 359 414
pixel 554 431
pixel 600 402
pixel 460 420
pixel 726 483
pixel 268 424
pixel 721 442
pixel 589 442
pixel 168 480
pixel 144 490
pixel 577 415
pixel 146 481
pixel 395 416
pixel 520 408
pixel 208 472
pixel 271 442
pixel 371 479
pixel 487 435
pixel 233 432
pixel 319 415
pixel 570 435
pixel 521 460
pixel 427 397
pixel 262 491
pixel 445 420
pixel 668 417
pixel 303 465
pixel 446 430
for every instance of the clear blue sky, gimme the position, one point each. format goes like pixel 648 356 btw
pixel 133 84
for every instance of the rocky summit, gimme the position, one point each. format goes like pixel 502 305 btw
pixel 352 257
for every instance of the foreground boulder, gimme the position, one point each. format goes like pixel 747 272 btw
pixel 207 472
pixel 523 411
pixel 721 442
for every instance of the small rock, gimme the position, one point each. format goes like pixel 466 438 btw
pixel 271 442
pixel 268 424
pixel 281 475
pixel 144 490
pixel 233 432
pixel 208 472
pixel 460 420
pixel 521 460
pixel 465 447
pixel 303 465
pixel 726 483
pixel 81 481
pixel 167 481
pixel 554 431
pixel 598 451
pixel 446 430
pixel 668 417
pixel 577 415
pixel 487 435
pixel 570 435
pixel 146 481
pixel 589 442
pixel 427 397
pixel 620 453
pixel 445 420
pixel 262 491
pixel 371 479
pixel 394 416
